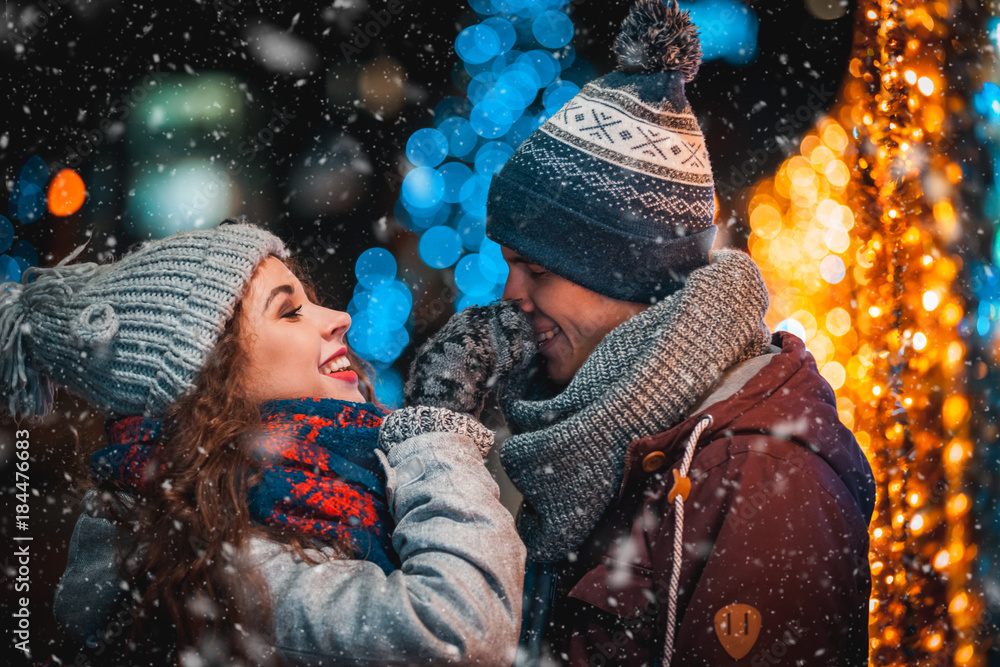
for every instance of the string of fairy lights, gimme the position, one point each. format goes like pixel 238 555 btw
pixel 855 238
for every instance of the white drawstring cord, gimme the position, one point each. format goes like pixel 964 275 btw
pixel 679 498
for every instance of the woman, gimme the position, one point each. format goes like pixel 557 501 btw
pixel 249 491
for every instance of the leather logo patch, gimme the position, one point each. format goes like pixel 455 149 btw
pixel 737 627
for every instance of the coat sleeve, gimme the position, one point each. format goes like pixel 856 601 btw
pixel 792 546
pixel 457 597
pixel 455 600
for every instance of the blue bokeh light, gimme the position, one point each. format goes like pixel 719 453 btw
pixel 34 171
pixel 462 138
pixel 423 219
pixel 440 247
pixel 389 304
pixel 475 69
pixel 6 233
pixel 27 202
pixel 504 30
pixel 552 29
pixel 504 67
pixel 525 68
pixel 419 213
pixel 558 94
pixel 498 267
pixel 471 275
pixel 504 60
pixel 472 229
pixel 474 194
pixel 727 29
pixel 357 335
pixel 491 119
pixel 483 299
pixel 359 302
pixel 386 344
pixel 388 386
pixel 516 89
pixel 10 270
pixel 374 267
pixel 491 158
pixel 565 56
pixel 427 147
pixel 522 129
pixel 455 174
pixel 24 251
pixel 545 67
pixel 987 102
pixel 483 7
pixel 451 107
pixel 477 44
pixel 423 188
pixel 480 87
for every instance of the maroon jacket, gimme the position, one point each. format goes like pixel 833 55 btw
pixel 777 519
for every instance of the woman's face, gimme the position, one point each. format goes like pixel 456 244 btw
pixel 296 348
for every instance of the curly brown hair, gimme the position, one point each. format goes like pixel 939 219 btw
pixel 191 588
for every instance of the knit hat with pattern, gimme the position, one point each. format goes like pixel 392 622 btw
pixel 614 192
pixel 129 336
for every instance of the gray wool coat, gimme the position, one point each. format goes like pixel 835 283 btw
pixel 455 600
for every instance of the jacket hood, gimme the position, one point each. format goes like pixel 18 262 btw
pixel 783 395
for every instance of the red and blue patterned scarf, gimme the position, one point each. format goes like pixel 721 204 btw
pixel 320 472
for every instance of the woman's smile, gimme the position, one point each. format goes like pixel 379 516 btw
pixel 297 348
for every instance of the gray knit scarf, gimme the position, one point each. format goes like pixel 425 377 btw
pixel 567 453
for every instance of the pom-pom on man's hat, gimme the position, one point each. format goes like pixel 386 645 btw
pixel 130 336
pixel 614 192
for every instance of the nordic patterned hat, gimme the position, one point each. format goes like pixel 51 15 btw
pixel 614 192
pixel 129 336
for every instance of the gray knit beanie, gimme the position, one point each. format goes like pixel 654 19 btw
pixel 130 336
pixel 614 191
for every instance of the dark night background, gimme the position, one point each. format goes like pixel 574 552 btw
pixel 86 55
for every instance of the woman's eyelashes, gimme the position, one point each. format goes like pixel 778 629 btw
pixel 293 313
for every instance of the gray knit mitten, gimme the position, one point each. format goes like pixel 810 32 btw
pixel 409 422
pixel 478 347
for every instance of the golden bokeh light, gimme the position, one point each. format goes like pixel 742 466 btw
pixel 860 260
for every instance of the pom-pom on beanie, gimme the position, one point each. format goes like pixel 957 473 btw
pixel 130 336
pixel 614 192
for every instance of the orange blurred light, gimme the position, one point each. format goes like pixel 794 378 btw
pixel 954 411
pixel 66 193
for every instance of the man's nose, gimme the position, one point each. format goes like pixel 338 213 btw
pixel 514 290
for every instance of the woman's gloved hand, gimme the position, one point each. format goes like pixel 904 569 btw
pixel 478 347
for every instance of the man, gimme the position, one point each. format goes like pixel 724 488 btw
pixel 691 497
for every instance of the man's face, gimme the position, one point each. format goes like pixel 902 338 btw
pixel 569 320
